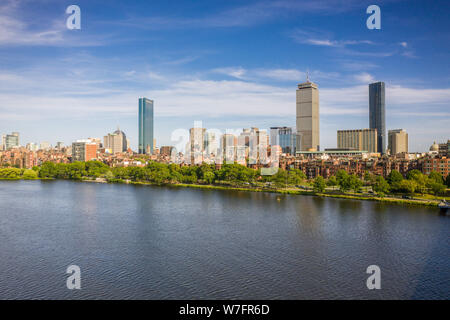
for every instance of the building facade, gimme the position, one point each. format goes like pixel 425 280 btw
pixel 84 150
pixel 166 150
pixel 285 137
pixel 377 111
pixel 444 149
pixel 397 141
pixel 115 142
pixel 145 126
pixel 12 140
pixel 358 139
pixel 308 116
pixel 438 164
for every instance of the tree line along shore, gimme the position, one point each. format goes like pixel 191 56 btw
pixel 416 187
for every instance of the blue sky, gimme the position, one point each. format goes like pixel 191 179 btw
pixel 230 64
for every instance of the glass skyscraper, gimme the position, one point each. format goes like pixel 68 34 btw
pixel 285 137
pixel 377 113
pixel 145 126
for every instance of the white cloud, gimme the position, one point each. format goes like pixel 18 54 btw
pixel 333 43
pixel 403 44
pixel 282 74
pixel 52 96
pixel 364 77
pixel 320 38
pixel 235 72
pixel 16 29
pixel 155 76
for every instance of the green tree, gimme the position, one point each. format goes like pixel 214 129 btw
pixel 381 185
pixel 407 186
pixel 413 174
pixel 279 178
pixel 354 182
pixel 447 181
pixel 394 177
pixel 332 181
pixel 421 180
pixel 369 179
pixel 319 184
pixel 10 173
pixel 29 174
pixel 437 188
pixel 295 177
pixel 76 170
pixel 47 170
pixel 95 168
pixel 209 177
pixel 342 180
pixel 436 177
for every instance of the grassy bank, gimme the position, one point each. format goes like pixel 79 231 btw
pixel 425 202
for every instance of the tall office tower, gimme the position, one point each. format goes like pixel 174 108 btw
pixel 358 139
pixel 32 146
pixel 228 145
pixel 196 144
pixel 444 149
pixel 116 141
pixel 397 141
pixel 44 145
pixel 3 144
pixel 12 140
pixel 248 136
pixel 308 116
pixel 284 137
pixel 84 150
pixel 377 113
pixel 211 142
pixel 59 145
pixel 145 126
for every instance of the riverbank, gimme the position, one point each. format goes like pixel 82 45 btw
pixel 429 201
pixel 390 199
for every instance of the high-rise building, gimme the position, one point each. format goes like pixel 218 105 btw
pixel 32 146
pixel 145 126
pixel 444 149
pixel 197 139
pixel 248 136
pixel 115 142
pixel 211 142
pixel 377 113
pixel 196 144
pixel 12 140
pixel 59 145
pixel 397 141
pixel 308 116
pixel 3 143
pixel 285 137
pixel 84 150
pixel 358 139
pixel 229 145
pixel 44 145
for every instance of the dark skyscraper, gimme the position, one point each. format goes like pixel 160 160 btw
pixel 145 126
pixel 377 113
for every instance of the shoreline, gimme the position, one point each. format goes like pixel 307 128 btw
pixel 427 203
pixel 418 202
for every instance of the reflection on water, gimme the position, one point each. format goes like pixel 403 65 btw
pixel 182 243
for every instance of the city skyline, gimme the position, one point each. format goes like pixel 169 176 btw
pixel 302 138
pixel 203 64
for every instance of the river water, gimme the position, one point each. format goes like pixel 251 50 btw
pixel 144 242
